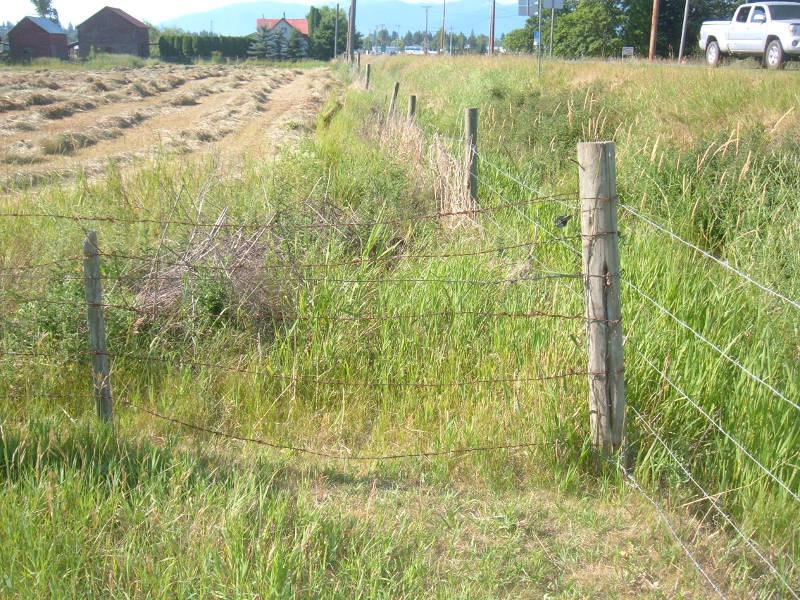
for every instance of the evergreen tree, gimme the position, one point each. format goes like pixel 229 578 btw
pixel 295 47
pixel 45 8
pixel 259 44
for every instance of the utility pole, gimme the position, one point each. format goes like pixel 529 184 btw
pixel 653 31
pixel 351 29
pixel 336 33
pixel 552 26
pixel 539 45
pixel 491 30
pixel 425 39
pixel 683 31
pixel 441 37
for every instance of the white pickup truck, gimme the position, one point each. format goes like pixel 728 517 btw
pixel 767 30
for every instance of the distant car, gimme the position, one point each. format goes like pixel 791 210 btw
pixel 414 50
pixel 766 30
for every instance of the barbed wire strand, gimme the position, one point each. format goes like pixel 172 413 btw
pixel 344 457
pixel 719 427
pixel 723 263
pixel 555 238
pixel 51 263
pixel 708 342
pixel 313 380
pixel 270 225
pixel 631 482
pixel 349 318
pixel 711 499
pixel 355 261
pixel 301 279
pixel 555 198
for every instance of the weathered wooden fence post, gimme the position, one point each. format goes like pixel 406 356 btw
pixel 601 281
pixel 412 107
pixel 359 61
pixel 394 98
pixel 101 381
pixel 471 151
pixel 369 70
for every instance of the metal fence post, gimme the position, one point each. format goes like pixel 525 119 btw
pixel 101 381
pixel 601 280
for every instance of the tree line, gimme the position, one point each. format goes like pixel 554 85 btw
pixel 189 46
pixel 603 27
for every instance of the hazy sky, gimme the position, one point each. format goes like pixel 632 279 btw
pixel 153 11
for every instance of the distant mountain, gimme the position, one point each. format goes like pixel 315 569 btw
pixel 462 16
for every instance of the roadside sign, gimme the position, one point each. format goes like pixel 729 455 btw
pixel 528 8
pixel 627 51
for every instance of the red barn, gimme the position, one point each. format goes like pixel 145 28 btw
pixel 37 37
pixel 113 31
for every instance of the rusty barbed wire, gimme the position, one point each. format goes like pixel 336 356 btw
pixel 322 454
pixel 295 317
pixel 308 379
pixel 218 225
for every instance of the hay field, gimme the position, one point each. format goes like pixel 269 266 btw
pixel 56 123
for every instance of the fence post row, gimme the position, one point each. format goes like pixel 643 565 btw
pixel 412 107
pixel 101 381
pixel 393 101
pixel 470 152
pixel 601 279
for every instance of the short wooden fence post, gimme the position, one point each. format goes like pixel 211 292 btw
pixel 101 381
pixel 393 101
pixel 601 280
pixel 412 107
pixel 366 82
pixel 471 152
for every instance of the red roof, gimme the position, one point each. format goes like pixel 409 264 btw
pixel 300 24
pixel 120 13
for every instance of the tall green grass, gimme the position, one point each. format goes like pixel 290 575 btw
pixel 694 154
pixel 245 364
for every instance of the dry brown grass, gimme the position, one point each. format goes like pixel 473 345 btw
pixel 430 159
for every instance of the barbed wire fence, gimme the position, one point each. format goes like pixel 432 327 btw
pixel 785 577
pixel 594 205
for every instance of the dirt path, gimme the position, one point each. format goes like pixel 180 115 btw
pixel 227 111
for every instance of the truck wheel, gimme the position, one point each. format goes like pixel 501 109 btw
pixel 773 57
pixel 712 54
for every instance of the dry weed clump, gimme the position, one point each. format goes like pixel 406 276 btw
pixel 186 99
pixel 21 153
pixel 432 164
pixel 65 143
pixel 217 272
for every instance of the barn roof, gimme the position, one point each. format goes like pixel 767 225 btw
pixel 120 13
pixel 45 24
pixel 300 24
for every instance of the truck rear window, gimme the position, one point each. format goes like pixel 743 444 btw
pixel 785 12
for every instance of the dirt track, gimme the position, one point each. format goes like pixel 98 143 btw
pixel 55 123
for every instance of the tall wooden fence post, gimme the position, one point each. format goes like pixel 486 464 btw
pixel 393 101
pixel 412 107
pixel 471 151
pixel 101 381
pixel 601 280
pixel 369 71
